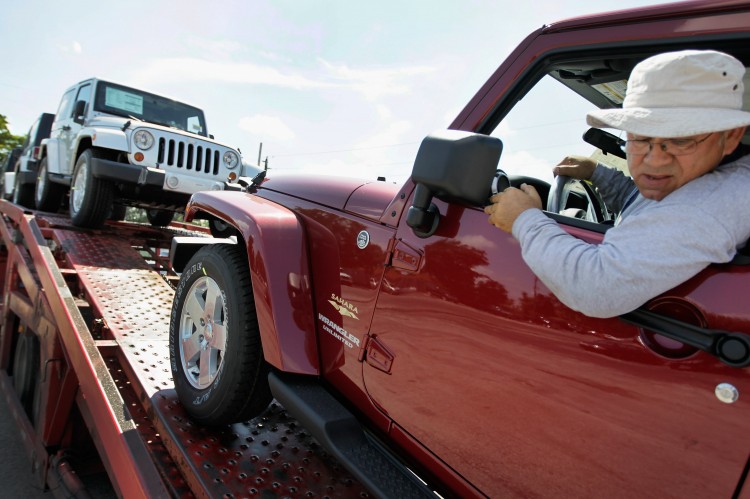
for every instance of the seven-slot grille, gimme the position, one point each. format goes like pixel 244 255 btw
pixel 180 154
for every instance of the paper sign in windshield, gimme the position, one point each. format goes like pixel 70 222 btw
pixel 126 101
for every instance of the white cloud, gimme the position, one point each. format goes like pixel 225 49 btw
pixel 374 83
pixel 267 127
pixel 525 163
pixel 388 152
pixel 334 167
pixel 449 116
pixel 274 57
pixel 349 167
pixel 200 70
pixel 73 47
pixel 504 130
pixel 384 112
pixel 370 83
pixel 391 134
pixel 213 48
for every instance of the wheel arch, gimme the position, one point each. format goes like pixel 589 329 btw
pixel 277 253
pixel 43 145
pixel 98 148
pixel 83 144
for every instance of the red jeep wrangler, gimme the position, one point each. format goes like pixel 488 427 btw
pixel 411 339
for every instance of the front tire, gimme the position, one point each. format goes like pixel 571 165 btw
pixel 90 197
pixel 119 211
pixel 159 218
pixel 220 229
pixel 47 194
pixel 217 361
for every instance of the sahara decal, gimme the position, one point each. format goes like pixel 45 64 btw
pixel 343 307
pixel 338 332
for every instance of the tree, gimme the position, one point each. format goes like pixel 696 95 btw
pixel 7 140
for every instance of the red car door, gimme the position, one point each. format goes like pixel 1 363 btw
pixel 522 396
pixel 518 394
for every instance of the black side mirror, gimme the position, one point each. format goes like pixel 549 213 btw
pixel 78 111
pixel 455 166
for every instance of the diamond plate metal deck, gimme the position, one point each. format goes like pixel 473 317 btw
pixel 269 456
pixel 133 301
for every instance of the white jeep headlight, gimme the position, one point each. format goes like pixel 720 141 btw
pixel 143 140
pixel 231 160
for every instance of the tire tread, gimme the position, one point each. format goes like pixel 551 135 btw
pixel 243 392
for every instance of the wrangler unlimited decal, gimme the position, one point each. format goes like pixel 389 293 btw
pixel 338 332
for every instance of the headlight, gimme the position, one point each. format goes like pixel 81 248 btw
pixel 143 140
pixel 231 159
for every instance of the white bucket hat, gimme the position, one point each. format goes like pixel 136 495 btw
pixel 678 94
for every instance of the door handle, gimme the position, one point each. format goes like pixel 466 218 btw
pixel 730 347
pixel 66 127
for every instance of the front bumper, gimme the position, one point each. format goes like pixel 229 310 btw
pixel 106 169
pixel 146 176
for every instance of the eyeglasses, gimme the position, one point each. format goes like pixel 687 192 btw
pixel 675 147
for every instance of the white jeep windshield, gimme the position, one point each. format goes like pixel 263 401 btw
pixel 129 102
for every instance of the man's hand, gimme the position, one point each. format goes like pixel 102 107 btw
pixel 579 167
pixel 507 205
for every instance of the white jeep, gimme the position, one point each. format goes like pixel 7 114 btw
pixel 115 146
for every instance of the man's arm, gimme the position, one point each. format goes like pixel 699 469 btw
pixel 613 185
pixel 650 252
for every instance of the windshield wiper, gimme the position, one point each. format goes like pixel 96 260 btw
pixel 127 123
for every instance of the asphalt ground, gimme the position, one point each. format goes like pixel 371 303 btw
pixel 16 478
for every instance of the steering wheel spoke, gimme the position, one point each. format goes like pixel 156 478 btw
pixel 557 201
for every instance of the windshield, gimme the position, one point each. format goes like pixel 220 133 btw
pixel 132 103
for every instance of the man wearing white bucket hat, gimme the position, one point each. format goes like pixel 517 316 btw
pixel 683 117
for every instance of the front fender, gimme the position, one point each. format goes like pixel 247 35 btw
pixel 107 138
pixel 280 273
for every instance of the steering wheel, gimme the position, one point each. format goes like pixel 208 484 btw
pixel 558 199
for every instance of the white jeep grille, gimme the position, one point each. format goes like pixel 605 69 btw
pixel 190 157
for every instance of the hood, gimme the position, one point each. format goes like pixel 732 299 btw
pixel 112 121
pixel 108 121
pixel 366 198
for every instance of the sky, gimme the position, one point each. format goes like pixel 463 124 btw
pixel 332 87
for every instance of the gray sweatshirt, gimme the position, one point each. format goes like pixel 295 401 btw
pixel 655 246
